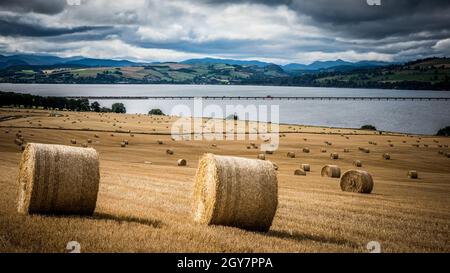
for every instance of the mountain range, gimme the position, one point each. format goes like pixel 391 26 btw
pixel 48 60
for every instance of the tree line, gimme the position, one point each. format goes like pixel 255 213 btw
pixel 11 99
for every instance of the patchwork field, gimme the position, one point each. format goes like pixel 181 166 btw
pixel 145 199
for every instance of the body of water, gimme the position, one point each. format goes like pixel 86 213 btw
pixel 423 117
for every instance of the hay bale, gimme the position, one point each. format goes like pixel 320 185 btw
pixel 386 156
pixel 357 163
pixel 261 157
pixel 112 135
pixel 160 142
pixel 96 136
pixel 346 150
pixel 356 181
pixel 291 154
pixel 249 147
pixel 448 155
pixel 18 141
pixel 391 145
pixel 334 156
pixel 268 152
pixel 305 150
pixel 123 145
pixel 233 191
pixel 89 141
pixel 440 152
pixel 214 145
pixel 182 162
pixel 125 141
pixel 323 150
pixel 84 145
pixel 331 171
pixel 299 172
pixel 57 179
pixel 306 167
pixel 169 152
pixel 413 174
pixel 73 141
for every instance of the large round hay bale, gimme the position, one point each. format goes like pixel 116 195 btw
pixel 233 191
pixel 291 154
pixel 357 163
pixel 306 150
pixel 413 174
pixel 123 145
pixel 334 156
pixel 182 162
pixel 440 152
pixel 160 142
pixel 261 157
pixel 299 172
pixel 448 155
pixel 306 167
pixel 169 152
pixel 57 179
pixel 125 141
pixel 73 141
pixel 346 150
pixel 357 181
pixel 89 141
pixel 268 152
pixel 331 171
pixel 323 150
pixel 386 156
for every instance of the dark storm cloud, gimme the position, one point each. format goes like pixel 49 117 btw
pixel 37 6
pixel 355 18
pixel 16 26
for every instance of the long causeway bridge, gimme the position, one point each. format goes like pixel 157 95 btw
pixel 260 98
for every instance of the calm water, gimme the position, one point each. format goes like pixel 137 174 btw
pixel 424 117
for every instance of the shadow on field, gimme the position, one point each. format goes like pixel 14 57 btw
pixel 129 219
pixel 297 236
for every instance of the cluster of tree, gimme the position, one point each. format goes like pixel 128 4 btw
pixel 156 112
pixel 444 131
pixel 29 101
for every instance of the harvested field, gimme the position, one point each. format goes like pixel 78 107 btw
pixel 145 199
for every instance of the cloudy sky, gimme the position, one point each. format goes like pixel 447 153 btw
pixel 279 31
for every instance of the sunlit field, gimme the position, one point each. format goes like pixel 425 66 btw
pixel 145 200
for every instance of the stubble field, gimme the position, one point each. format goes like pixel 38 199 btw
pixel 144 201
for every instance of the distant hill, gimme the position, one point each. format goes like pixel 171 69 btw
pixel 226 61
pixel 101 62
pixel 426 74
pixel 336 65
pixel 41 60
